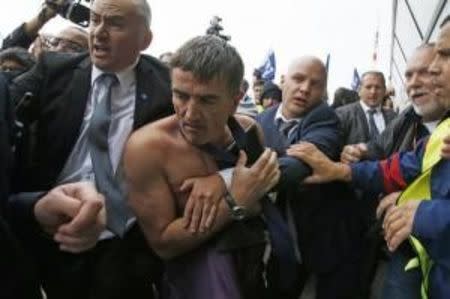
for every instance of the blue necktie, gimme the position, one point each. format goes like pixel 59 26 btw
pixel 105 179
pixel 281 240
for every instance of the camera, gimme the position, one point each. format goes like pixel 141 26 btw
pixel 73 10
pixel 215 28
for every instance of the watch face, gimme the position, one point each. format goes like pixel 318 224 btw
pixel 238 213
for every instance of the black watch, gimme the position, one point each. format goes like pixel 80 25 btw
pixel 237 212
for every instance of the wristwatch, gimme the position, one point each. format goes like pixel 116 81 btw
pixel 237 212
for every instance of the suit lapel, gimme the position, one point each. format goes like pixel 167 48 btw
pixel 272 136
pixel 153 95
pixel 387 116
pixel 73 110
pixel 144 87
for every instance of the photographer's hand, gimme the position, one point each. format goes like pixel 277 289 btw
pixel 46 13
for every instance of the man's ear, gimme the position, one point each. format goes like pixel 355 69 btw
pixel 146 40
pixel 237 99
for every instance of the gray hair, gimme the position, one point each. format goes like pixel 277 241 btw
pixel 209 57
pixel 143 9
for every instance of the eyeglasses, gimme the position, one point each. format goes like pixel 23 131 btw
pixel 65 45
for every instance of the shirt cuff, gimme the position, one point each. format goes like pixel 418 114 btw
pixel 227 175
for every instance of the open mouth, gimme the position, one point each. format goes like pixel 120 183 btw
pixel 300 101
pixel 100 50
pixel 419 97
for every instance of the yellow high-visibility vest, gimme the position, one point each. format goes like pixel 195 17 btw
pixel 420 189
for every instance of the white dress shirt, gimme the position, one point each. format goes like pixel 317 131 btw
pixel 78 166
pixel 377 116
pixel 281 119
pixel 431 125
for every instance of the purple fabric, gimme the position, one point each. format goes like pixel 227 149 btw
pixel 203 273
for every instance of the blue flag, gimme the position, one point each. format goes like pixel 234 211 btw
pixel 356 81
pixel 269 67
pixel 327 64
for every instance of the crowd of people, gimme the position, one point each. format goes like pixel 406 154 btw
pixel 127 176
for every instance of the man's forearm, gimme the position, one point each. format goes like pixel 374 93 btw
pixel 367 175
pixel 33 26
pixel 176 239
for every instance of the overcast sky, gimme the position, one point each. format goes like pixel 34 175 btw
pixel 345 29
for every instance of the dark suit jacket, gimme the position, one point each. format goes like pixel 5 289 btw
pixel 355 128
pixel 17 276
pixel 323 213
pixel 60 84
pixel 400 135
pixel 6 123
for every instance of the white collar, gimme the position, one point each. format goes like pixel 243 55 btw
pixel 279 116
pixel 431 125
pixel 367 108
pixel 126 77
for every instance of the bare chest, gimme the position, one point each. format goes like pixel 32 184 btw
pixel 185 163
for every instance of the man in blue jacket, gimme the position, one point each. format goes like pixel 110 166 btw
pixel 327 239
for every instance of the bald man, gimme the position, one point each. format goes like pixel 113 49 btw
pixel 71 39
pixel 318 221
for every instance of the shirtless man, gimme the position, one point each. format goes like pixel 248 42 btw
pixel 206 76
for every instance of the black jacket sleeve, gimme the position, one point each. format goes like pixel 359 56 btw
pixel 6 122
pixel 18 38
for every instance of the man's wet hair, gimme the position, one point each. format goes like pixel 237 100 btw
pixel 209 57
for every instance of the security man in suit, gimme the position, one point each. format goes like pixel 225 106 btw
pixel 83 109
pixel 363 120
pixel 320 219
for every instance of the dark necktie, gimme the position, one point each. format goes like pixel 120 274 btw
pixel 281 240
pixel 373 130
pixel 287 127
pixel 105 180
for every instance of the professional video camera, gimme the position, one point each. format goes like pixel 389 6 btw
pixel 215 28
pixel 72 10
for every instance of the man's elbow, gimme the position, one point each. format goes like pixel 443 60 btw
pixel 164 251
pixel 293 172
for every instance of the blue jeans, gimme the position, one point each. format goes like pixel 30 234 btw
pixel 401 284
